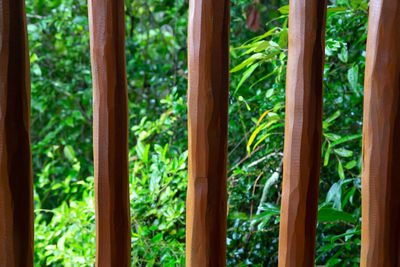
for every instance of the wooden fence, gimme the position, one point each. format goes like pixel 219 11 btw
pixel 208 111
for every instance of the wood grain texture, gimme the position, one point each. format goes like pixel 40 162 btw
pixel 16 184
pixel 380 241
pixel 303 132
pixel 207 121
pixel 110 132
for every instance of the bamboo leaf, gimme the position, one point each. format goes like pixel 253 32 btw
pixel 246 75
pixel 263 116
pixel 247 62
pixel 254 135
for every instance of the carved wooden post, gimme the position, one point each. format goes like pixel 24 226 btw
pixel 110 130
pixel 380 244
pixel 16 185
pixel 208 115
pixel 303 131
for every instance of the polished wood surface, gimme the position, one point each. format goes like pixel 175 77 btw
pixel 303 132
pixel 110 132
pixel 207 121
pixel 380 237
pixel 16 185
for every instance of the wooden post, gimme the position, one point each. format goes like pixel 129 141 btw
pixel 207 121
pixel 16 184
pixel 303 132
pixel 380 241
pixel 110 131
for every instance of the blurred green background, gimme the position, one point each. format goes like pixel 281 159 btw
pixel 156 49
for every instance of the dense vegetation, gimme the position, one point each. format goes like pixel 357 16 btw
pixel 157 83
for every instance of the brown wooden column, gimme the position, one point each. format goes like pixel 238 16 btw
pixel 381 138
pixel 207 121
pixel 110 132
pixel 16 185
pixel 303 132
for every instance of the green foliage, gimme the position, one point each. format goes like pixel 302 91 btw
pixel 62 134
pixel 69 238
pixel 157 83
pixel 258 88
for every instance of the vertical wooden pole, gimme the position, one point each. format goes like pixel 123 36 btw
pixel 380 241
pixel 110 131
pixel 303 132
pixel 16 185
pixel 207 121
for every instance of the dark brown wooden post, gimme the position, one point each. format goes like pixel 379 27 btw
pixel 380 244
pixel 16 185
pixel 303 132
pixel 110 131
pixel 208 116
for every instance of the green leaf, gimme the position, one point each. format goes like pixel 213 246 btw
pixel 262 138
pixel 332 136
pixel 326 214
pixel 269 93
pixel 352 77
pixel 69 153
pixel 238 215
pixel 253 47
pixel 344 55
pixel 273 31
pixel 241 99
pixel 248 61
pixel 350 165
pixel 344 152
pixel 157 238
pixel 143 151
pixel 283 38
pixel 36 70
pixel 254 135
pixel 284 10
pixel 340 169
pixel 334 195
pixel 265 212
pixel 346 139
pixel 154 183
pixel 333 117
pixel 327 154
pixel 261 46
pixel 272 120
pixel 337 9
pixel 246 75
